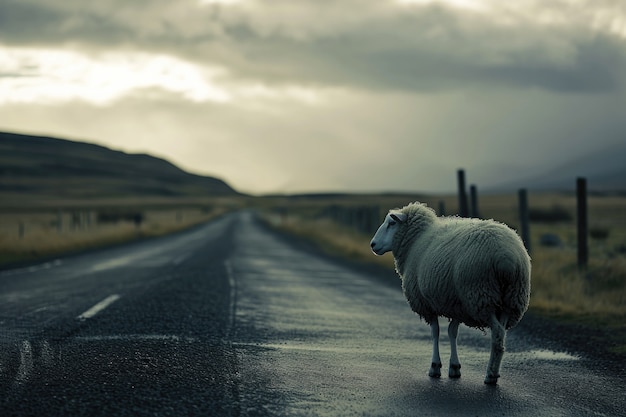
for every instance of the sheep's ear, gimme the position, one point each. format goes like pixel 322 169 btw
pixel 399 217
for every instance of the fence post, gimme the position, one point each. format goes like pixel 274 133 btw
pixel 442 208
pixel 374 218
pixel 59 221
pixel 581 220
pixel 75 220
pixel 524 217
pixel 474 201
pixel 463 212
pixel 360 217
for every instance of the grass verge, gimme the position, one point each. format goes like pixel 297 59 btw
pixel 39 238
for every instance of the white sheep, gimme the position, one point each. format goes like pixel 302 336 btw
pixel 471 271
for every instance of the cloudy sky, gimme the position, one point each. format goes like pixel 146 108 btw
pixel 322 95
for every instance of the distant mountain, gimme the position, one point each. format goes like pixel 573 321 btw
pixel 604 169
pixel 61 168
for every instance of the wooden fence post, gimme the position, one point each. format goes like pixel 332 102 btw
pixel 374 218
pixel 75 220
pixel 581 220
pixel 524 217
pixel 59 221
pixel 474 201
pixel 463 211
pixel 442 208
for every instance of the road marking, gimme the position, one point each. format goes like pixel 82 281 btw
pixel 26 362
pixel 132 258
pixel 99 307
pixel 47 353
pixel 139 337
pixel 231 394
pixel 233 297
pixel 113 263
pixel 180 259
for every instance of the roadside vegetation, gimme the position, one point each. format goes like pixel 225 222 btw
pixel 42 232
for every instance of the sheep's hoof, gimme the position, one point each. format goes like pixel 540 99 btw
pixel 491 379
pixel 454 371
pixel 435 370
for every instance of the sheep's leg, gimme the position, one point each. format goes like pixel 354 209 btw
pixel 498 335
pixel 435 367
pixel 455 365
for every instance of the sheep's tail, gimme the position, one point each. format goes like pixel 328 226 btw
pixel 514 278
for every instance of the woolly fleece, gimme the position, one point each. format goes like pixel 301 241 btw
pixel 461 268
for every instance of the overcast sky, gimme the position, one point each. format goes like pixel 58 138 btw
pixel 322 95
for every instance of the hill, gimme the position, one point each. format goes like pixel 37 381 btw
pixel 64 169
pixel 605 170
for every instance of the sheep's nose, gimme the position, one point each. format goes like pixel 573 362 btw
pixel 372 244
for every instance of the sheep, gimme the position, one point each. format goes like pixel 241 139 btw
pixel 472 271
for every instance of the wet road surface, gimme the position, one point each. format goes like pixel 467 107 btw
pixel 233 319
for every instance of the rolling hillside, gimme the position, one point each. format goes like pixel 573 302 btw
pixel 605 170
pixel 50 167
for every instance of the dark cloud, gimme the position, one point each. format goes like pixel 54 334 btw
pixel 44 24
pixel 598 65
pixel 435 51
pixel 400 96
pixel 364 45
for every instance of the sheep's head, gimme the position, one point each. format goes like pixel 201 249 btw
pixel 383 239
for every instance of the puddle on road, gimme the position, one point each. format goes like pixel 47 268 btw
pixel 544 354
pixel 307 347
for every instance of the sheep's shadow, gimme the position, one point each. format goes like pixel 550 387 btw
pixel 464 396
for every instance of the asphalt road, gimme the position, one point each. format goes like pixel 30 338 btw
pixel 233 319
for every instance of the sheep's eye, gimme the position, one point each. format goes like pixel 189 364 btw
pixel 391 223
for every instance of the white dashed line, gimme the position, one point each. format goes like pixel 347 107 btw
pixel 99 307
pixel 180 259
pixel 26 362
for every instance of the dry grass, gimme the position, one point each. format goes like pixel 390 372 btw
pixel 332 238
pixel 26 236
pixel 561 288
